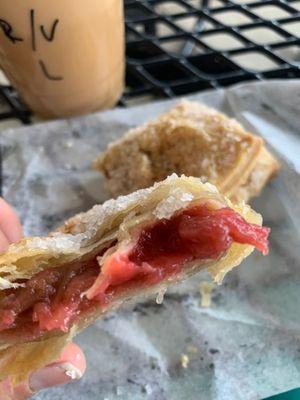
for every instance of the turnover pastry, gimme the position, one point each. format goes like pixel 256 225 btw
pixel 194 140
pixel 55 286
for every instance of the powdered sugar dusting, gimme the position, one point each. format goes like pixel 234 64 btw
pixel 59 242
pixel 211 188
pixel 177 200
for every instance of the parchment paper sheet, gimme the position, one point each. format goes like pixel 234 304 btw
pixel 247 344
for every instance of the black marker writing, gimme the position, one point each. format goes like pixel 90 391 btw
pixel 47 74
pixel 49 37
pixel 8 31
pixel 32 27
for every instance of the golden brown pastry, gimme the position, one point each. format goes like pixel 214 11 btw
pixel 53 287
pixel 194 140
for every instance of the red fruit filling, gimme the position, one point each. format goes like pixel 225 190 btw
pixel 54 298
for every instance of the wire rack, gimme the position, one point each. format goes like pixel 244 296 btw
pixel 176 47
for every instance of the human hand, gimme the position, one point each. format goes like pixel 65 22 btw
pixel 71 364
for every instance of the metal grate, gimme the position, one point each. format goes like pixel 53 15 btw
pixel 176 47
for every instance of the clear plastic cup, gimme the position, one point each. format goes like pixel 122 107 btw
pixel 65 57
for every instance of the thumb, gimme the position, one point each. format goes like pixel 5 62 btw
pixel 70 366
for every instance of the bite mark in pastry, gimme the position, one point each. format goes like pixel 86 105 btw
pixel 190 139
pixel 55 286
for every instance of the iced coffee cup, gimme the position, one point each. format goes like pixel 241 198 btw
pixel 65 57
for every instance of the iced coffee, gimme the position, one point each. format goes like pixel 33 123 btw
pixel 64 57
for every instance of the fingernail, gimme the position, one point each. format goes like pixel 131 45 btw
pixel 53 375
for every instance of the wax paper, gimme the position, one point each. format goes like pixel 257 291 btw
pixel 246 345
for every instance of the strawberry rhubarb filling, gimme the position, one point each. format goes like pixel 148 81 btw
pixel 56 297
